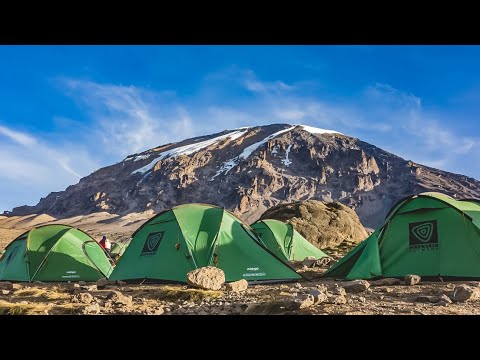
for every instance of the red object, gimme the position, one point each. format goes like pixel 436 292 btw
pixel 102 242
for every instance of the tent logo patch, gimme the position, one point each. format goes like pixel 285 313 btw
pixel 151 244
pixel 423 235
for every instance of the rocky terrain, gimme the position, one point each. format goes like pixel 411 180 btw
pixel 312 295
pixel 317 297
pixel 249 170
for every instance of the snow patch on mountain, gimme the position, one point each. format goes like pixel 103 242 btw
pixel 314 130
pixel 287 161
pixel 189 149
pixel 230 164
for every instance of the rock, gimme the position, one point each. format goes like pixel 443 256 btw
pixel 385 282
pixel 5 292
pixel 82 283
pixel 117 298
pixel 237 286
pixel 362 299
pixel 322 288
pixel 464 293
pixel 102 283
pixel 76 286
pixel 90 288
pixel 322 224
pixel 356 286
pixel 92 309
pixel 336 299
pixel 309 261
pixel 318 296
pixel 127 289
pixel 83 298
pixel 120 283
pixel 428 299
pixel 208 278
pixel 304 301
pixel 158 311
pixel 412 279
pixel 202 312
pixel 325 261
pixel 17 286
pixel 338 290
pixel 6 285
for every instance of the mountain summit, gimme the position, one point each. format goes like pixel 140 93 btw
pixel 251 169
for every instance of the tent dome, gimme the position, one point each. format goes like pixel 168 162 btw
pixel 284 241
pixel 191 236
pixel 54 253
pixel 429 234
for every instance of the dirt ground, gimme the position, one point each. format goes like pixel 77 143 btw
pixel 329 297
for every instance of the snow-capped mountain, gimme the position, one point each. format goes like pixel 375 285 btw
pixel 248 170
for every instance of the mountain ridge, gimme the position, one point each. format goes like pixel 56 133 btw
pixel 250 169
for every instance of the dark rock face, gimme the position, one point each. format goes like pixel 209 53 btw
pixel 252 169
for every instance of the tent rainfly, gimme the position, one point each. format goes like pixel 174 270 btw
pixel 429 234
pixel 54 253
pixel 191 236
pixel 284 241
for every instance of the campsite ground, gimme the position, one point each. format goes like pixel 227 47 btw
pixel 80 298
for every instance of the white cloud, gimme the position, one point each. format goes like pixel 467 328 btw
pixel 18 137
pixel 130 119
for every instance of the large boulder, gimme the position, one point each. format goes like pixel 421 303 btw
pixel 325 225
pixel 208 278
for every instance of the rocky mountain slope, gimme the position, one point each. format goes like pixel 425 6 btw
pixel 249 170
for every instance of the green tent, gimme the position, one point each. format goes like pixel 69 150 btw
pixel 117 250
pixel 54 253
pixel 429 234
pixel 191 236
pixel 284 241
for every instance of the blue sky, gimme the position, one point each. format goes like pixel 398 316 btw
pixel 67 110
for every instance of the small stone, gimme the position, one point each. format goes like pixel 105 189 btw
pixel 208 278
pixel 309 261
pixel 464 293
pixel 202 313
pixel 159 311
pixel 127 289
pixel 237 286
pixel 5 292
pixel 318 296
pixel 381 297
pixel 337 299
pixel 17 286
pixel 338 290
pixel 120 283
pixel 412 280
pixel 305 301
pixel 117 298
pixel 362 299
pixel 6 285
pixel 428 299
pixel 83 298
pixel 76 286
pixel 92 309
pixel 356 286
pixel 90 288
pixel 82 283
pixel 102 283
pixel 322 288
